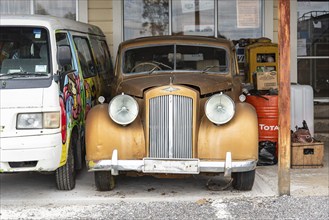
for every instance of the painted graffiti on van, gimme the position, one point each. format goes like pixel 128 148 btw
pixel 72 95
pixel 90 95
pixel 70 103
pixel 71 107
pixel 63 119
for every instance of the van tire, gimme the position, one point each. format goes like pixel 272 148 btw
pixel 243 180
pixel 65 175
pixel 104 181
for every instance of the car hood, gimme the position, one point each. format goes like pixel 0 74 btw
pixel 204 82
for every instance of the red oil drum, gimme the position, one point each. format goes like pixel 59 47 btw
pixel 267 111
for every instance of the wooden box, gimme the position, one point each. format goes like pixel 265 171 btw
pixel 307 155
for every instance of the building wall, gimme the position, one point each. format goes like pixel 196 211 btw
pixel 100 13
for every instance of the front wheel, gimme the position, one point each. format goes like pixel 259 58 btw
pixel 104 181
pixel 65 175
pixel 243 180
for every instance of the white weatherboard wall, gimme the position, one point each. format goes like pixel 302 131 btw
pixel 100 13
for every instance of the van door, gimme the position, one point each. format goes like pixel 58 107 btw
pixel 88 69
pixel 70 96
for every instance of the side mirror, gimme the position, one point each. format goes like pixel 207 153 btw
pixel 64 55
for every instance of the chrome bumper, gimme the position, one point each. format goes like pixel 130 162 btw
pixel 172 166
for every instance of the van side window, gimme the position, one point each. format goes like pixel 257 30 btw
pixel 85 56
pixel 62 40
pixel 103 58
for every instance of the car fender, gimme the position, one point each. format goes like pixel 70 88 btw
pixel 103 135
pixel 239 136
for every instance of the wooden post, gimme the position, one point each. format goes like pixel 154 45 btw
pixel 284 98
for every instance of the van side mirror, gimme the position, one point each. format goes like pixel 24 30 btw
pixel 64 55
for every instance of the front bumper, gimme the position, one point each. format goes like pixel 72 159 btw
pixel 45 150
pixel 172 166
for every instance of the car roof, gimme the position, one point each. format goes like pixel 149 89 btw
pixel 168 39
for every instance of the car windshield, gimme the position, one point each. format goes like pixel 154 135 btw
pixel 24 52
pixel 170 58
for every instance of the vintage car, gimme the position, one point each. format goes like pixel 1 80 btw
pixel 177 109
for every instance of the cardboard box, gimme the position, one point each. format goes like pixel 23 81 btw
pixel 307 155
pixel 265 80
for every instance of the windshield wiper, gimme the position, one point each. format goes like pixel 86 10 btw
pixel 205 70
pixel 158 67
pixel 162 64
pixel 152 70
pixel 22 74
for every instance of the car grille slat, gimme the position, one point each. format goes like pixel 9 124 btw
pixel 171 120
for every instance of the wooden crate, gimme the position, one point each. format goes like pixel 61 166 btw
pixel 308 155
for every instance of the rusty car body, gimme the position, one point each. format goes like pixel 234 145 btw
pixel 176 110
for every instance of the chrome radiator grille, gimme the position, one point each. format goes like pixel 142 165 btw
pixel 171 120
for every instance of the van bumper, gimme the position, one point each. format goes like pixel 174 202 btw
pixel 30 153
pixel 172 166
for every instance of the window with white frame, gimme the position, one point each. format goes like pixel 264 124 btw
pixel 240 18
pixel 145 18
pixel 59 8
pixel 233 19
pixel 193 17
pixel 313 45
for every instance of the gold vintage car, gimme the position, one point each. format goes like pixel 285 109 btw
pixel 176 111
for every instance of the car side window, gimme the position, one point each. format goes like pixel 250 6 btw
pixel 103 58
pixel 107 55
pixel 85 56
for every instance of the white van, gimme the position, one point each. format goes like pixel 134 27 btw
pixel 51 72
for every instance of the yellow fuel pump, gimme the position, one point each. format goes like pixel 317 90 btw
pixel 261 56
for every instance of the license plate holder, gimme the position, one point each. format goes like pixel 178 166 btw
pixel 174 166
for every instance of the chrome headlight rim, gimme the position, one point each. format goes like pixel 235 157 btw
pixel 229 105
pixel 116 101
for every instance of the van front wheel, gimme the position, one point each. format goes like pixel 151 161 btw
pixel 104 181
pixel 65 175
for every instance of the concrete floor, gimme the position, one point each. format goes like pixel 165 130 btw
pixel 28 188
pixel 304 182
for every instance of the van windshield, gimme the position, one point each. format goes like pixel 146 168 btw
pixel 24 52
pixel 170 58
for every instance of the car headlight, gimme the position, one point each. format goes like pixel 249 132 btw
pixel 29 121
pixel 220 109
pixel 38 120
pixel 51 120
pixel 123 109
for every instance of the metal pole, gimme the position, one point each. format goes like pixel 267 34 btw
pixel 284 98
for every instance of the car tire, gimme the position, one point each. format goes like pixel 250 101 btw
pixel 243 180
pixel 65 175
pixel 104 181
